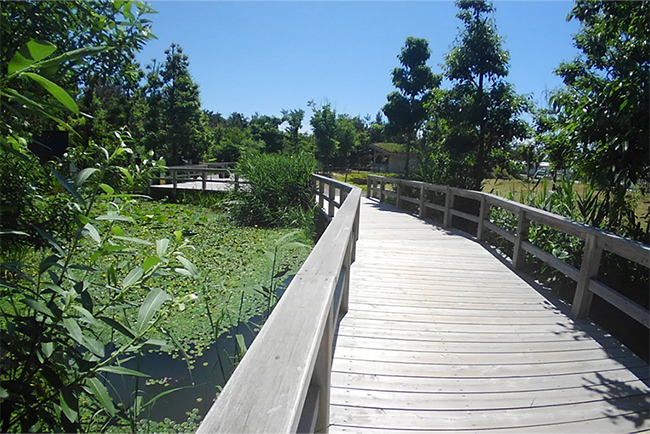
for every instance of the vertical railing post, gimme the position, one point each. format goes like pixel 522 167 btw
pixel 422 212
pixel 321 193
pixel 345 290
pixel 322 373
pixel 588 270
pixel 382 187
pixel 519 254
pixel 174 180
pixel 368 187
pixel 236 181
pixel 449 204
pixel 398 202
pixel 331 194
pixel 204 175
pixel 355 234
pixel 482 215
pixel 344 196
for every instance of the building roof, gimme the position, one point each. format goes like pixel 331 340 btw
pixel 389 148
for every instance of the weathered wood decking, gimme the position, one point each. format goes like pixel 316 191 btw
pixel 441 335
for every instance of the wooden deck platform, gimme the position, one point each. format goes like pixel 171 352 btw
pixel 441 335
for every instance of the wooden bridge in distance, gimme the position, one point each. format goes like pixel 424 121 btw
pixel 397 324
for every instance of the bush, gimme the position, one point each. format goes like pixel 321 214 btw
pixel 279 192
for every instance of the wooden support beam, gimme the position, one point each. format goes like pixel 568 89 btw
pixel 588 270
pixel 519 254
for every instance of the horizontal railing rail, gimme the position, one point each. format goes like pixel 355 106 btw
pixel 596 240
pixel 283 382
pixel 205 173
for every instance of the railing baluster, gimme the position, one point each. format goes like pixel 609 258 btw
pixel 422 211
pixel 588 270
pixel 449 205
pixel 519 254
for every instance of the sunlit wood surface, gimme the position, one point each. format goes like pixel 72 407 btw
pixel 442 336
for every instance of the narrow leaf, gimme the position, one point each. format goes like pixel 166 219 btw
pixel 132 277
pixel 112 217
pixel 134 240
pixel 188 266
pixel 116 230
pixel 65 408
pixel 98 390
pixel 117 326
pixel 91 231
pixel 122 371
pixel 150 262
pixel 38 306
pixel 107 188
pixel 51 240
pixel 74 330
pixel 56 91
pixel 83 175
pixel 161 247
pixel 151 305
pixel 29 54
pixel 64 182
pixel 93 346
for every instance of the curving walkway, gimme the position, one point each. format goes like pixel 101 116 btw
pixel 441 335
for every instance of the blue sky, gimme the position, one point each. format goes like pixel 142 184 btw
pixel 263 57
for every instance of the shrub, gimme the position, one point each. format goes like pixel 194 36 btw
pixel 279 191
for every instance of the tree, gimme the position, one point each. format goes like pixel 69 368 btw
pixel 267 130
pixel 178 128
pixel 481 109
pixel 406 107
pixel 325 132
pixel 607 96
pixel 294 119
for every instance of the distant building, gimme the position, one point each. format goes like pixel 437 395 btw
pixel 391 158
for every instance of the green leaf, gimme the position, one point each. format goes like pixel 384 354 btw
pixel 161 247
pixel 151 305
pixel 116 230
pixel 12 232
pixel 56 91
pixel 3 393
pixel 134 240
pixel 51 240
pixel 38 306
pixel 70 56
pixel 83 175
pixel 117 326
pixel 47 348
pixel 47 263
pixel 112 217
pixel 65 408
pixel 132 277
pixel 165 393
pixel 90 230
pixel 93 346
pixel 188 266
pixel 150 262
pixel 98 390
pixel 29 54
pixel 74 330
pixel 122 371
pixel 107 188
pixel 64 182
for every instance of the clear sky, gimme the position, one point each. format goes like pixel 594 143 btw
pixel 263 57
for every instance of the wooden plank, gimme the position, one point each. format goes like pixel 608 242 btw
pixel 568 270
pixel 619 411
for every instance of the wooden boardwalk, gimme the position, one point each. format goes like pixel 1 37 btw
pixel 441 335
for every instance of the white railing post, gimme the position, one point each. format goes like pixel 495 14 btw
pixel 382 187
pixel 519 254
pixel 449 204
pixel 321 193
pixel 588 270
pixel 204 175
pixel 174 180
pixel 482 215
pixel 398 202
pixel 422 212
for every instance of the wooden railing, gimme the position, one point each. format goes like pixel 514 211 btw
pixel 596 240
pixel 205 173
pixel 283 382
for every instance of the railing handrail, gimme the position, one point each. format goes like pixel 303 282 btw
pixel 596 240
pixel 282 383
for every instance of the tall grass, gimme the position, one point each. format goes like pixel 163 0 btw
pixel 279 192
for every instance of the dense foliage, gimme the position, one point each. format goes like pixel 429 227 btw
pixel 279 190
